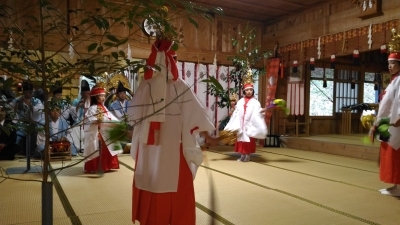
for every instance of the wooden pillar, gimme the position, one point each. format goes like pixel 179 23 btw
pixel 346 121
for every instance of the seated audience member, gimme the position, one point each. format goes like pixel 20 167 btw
pixel 68 112
pixel 119 107
pixel 28 111
pixel 81 104
pixel 59 130
pixel 8 137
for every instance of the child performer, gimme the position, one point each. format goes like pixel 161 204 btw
pixel 101 154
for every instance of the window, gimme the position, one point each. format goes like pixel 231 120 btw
pixel 331 90
pixel 321 98
pixel 346 89
pixel 370 94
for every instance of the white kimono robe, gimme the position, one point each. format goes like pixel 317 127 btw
pixel 91 143
pixel 58 129
pixel 249 124
pixel 390 107
pixel 157 166
pixel 119 109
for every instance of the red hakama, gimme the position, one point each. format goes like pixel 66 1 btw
pixel 246 148
pixel 389 170
pixel 108 162
pixel 176 208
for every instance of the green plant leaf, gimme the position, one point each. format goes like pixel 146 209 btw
pixel 100 49
pixel 214 82
pixel 92 47
pixel 112 38
pixel 91 68
pixel 175 46
pixel 114 55
pixel 192 21
pixel 218 10
pixel 85 21
pixel 109 44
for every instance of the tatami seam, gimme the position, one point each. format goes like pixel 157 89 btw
pixel 298 197
pixel 348 167
pixel 75 220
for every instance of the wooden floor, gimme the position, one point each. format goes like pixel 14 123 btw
pixel 355 146
pixel 278 186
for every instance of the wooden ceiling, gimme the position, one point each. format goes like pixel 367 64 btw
pixel 264 11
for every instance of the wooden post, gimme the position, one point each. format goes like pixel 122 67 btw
pixel 346 121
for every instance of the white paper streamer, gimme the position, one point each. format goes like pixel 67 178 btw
pixel 71 49
pixel 370 36
pixel 10 42
pixel 129 53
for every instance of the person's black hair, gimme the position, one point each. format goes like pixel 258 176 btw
pixel 39 94
pixel 244 92
pixel 93 100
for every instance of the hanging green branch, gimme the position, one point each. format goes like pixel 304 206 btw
pixel 247 56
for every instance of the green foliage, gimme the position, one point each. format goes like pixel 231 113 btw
pixel 383 127
pixel 247 56
pixel 40 35
pixel 26 56
pixel 216 89
pixel 119 132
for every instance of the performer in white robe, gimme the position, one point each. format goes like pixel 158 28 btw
pixel 167 116
pixel 248 121
pixel 100 152
pixel 389 165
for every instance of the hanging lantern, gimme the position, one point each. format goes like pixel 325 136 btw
pixel 281 68
pixel 312 64
pixel 294 68
pixel 353 83
pixel 376 81
pixel 384 55
pixel 19 87
pixel 356 57
pixel 333 59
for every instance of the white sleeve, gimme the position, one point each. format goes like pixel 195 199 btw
pixel 37 111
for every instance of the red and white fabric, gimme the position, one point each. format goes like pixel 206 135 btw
pixel 223 73
pixel 389 170
pixel 295 98
pixel 189 74
pixel 181 69
pixel 201 90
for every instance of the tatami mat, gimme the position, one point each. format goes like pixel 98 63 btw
pixel 279 186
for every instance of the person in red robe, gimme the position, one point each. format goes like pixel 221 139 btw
pixel 389 107
pixel 100 155
pixel 166 117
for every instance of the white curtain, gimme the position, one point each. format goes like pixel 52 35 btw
pixel 295 98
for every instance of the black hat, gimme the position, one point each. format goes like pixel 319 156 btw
pixel 27 86
pixel 58 90
pixel 120 87
pixel 85 86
